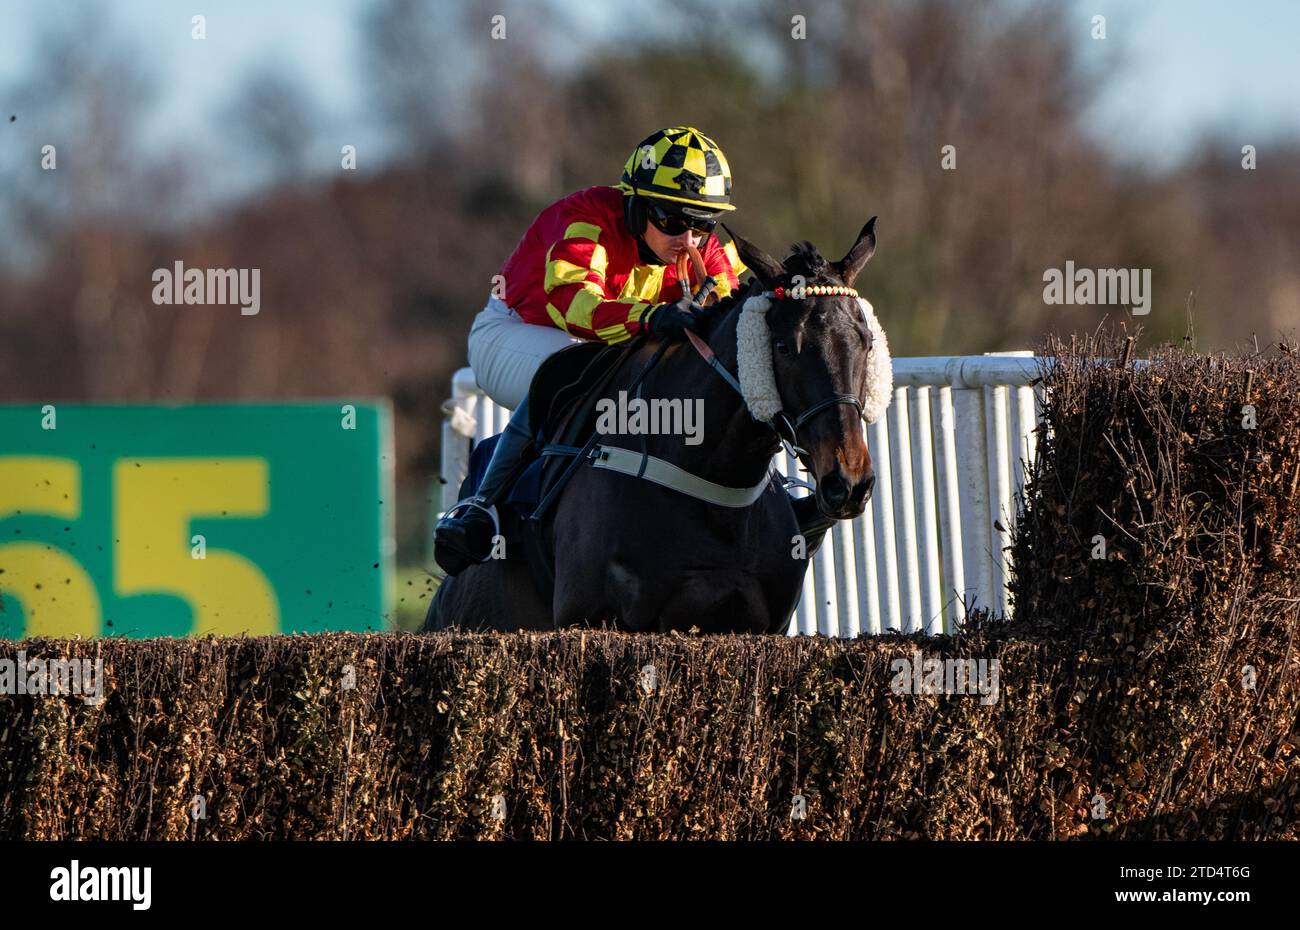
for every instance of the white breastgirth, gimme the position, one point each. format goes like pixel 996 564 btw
pixel 627 462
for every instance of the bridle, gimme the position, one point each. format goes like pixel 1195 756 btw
pixel 791 441
pixel 787 431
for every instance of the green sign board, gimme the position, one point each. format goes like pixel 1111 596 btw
pixel 170 521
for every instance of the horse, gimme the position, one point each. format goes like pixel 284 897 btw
pixel 634 555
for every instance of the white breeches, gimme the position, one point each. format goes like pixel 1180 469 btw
pixel 505 352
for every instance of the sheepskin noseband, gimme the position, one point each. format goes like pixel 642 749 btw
pixel 758 381
pixel 754 360
pixel 880 368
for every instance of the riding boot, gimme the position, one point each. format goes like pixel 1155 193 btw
pixel 813 524
pixel 463 537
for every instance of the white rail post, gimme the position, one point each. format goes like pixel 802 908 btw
pixel 828 602
pixel 954 575
pixel 972 459
pixel 926 521
pixel 805 620
pixel 998 446
pixel 864 539
pixel 905 512
pixel 844 572
pixel 1023 419
pixel 891 616
pixel 807 609
pixel 459 430
pixel 840 538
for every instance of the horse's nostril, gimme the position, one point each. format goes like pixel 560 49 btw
pixel 835 491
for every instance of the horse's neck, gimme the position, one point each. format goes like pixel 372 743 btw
pixel 734 449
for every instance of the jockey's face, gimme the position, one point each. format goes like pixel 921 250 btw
pixel 667 247
pixel 668 232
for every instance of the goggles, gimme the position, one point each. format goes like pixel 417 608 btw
pixel 674 224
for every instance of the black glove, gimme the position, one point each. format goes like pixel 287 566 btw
pixel 706 317
pixel 671 320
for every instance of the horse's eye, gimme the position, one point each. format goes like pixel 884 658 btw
pixel 781 347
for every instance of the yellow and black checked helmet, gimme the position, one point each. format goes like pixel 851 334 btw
pixel 680 164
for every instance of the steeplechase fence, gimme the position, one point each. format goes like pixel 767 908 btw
pixel 950 457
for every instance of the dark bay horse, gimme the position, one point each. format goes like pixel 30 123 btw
pixel 633 555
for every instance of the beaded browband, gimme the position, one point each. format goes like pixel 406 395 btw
pixel 812 290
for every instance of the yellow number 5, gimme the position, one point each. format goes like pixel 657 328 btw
pixel 156 500
pixel 58 597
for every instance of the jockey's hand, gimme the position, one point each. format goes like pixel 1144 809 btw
pixel 671 320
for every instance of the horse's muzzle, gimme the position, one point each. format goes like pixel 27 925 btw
pixel 841 498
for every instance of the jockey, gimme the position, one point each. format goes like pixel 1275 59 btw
pixel 601 264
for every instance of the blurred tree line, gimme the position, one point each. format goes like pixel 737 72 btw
pixel 371 278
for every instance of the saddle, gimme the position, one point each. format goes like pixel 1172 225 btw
pixel 566 379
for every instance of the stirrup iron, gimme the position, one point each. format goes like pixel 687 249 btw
pixel 475 503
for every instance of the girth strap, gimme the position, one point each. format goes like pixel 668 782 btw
pixel 666 474
pixel 627 462
pixel 556 448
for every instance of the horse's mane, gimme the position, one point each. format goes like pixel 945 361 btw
pixel 728 309
pixel 804 259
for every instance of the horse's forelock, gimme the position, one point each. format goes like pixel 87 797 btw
pixel 804 259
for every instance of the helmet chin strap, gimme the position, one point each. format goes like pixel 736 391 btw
pixel 634 215
pixel 647 254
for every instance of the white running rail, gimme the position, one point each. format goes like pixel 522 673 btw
pixel 950 459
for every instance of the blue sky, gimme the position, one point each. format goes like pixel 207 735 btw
pixel 1193 65
pixel 1190 64
pixel 314 40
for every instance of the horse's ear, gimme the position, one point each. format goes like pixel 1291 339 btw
pixel 851 265
pixel 766 268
